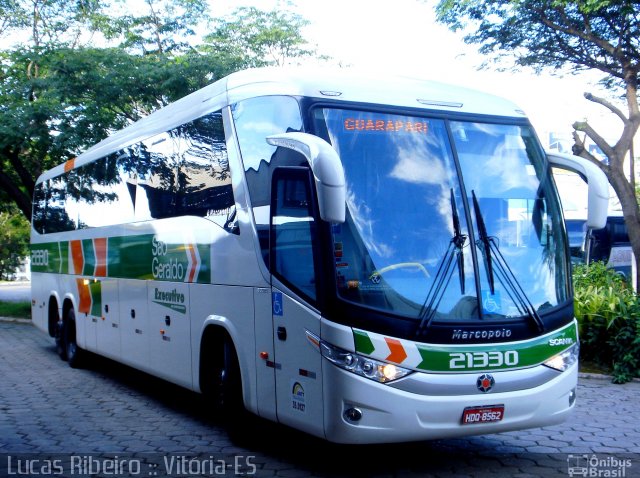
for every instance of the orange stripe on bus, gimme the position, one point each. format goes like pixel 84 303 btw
pixel 194 263
pixel 84 295
pixel 100 249
pixel 76 255
pixel 69 165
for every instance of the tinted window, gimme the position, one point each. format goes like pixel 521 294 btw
pixel 204 178
pixel 155 164
pixel 57 216
pixel 39 207
pixel 181 172
pixel 294 231
pixel 255 119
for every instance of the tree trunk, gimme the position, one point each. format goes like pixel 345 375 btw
pixel 22 200
pixel 631 212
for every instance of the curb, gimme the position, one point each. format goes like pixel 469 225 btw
pixel 598 376
pixel 16 320
pixel 594 376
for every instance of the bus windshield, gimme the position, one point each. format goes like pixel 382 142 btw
pixel 446 220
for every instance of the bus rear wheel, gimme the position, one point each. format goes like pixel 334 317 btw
pixel 61 346
pixel 74 353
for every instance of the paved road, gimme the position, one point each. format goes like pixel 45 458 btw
pixel 47 407
pixel 15 291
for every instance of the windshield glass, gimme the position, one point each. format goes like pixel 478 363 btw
pixel 423 241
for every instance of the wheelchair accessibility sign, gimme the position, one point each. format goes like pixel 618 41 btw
pixel 276 303
pixel 491 303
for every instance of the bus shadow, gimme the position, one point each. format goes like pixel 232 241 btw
pixel 271 444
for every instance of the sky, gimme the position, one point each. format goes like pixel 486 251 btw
pixel 402 36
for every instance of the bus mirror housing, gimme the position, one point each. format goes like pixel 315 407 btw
pixel 598 185
pixel 328 173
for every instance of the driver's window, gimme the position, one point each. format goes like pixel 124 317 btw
pixel 293 230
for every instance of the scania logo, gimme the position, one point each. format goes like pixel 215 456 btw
pixel 485 382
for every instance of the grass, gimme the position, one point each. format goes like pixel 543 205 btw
pixel 19 310
pixel 587 366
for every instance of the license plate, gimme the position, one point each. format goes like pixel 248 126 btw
pixel 482 414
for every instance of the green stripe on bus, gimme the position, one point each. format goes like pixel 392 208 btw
pixel 63 248
pixel 95 288
pixel 363 343
pixel 496 356
pixel 131 257
pixel 89 257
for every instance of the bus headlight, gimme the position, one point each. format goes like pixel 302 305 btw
pixel 564 360
pixel 364 366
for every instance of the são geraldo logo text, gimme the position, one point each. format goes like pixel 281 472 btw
pixel 165 267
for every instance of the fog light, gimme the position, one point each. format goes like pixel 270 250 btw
pixel 353 415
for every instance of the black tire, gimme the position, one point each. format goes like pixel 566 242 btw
pixel 74 353
pixel 229 381
pixel 220 376
pixel 61 346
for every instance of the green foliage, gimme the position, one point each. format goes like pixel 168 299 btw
pixel 163 26
pixel 58 97
pixel 19 310
pixel 568 36
pixel 608 313
pixel 598 34
pixel 14 242
pixel 261 38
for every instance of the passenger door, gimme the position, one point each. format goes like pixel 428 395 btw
pixel 297 360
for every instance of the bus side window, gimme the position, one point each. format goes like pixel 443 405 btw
pixel 204 178
pixel 293 230
pixel 39 207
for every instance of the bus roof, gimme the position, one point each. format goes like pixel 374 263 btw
pixel 341 85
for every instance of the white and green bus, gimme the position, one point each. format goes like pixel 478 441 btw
pixel 364 259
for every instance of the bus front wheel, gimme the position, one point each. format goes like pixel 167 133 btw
pixel 229 387
pixel 223 383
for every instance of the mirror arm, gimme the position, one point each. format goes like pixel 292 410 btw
pixel 327 170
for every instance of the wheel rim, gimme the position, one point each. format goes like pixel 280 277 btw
pixel 71 348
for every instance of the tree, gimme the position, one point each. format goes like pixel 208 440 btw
pixel 14 242
pixel 58 96
pixel 163 26
pixel 263 38
pixel 573 36
pixel 50 22
pixel 78 97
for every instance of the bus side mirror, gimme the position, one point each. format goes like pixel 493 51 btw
pixel 328 173
pixel 598 185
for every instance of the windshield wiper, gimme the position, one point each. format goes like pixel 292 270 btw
pixel 484 243
pixel 489 248
pixel 458 240
pixel 445 270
